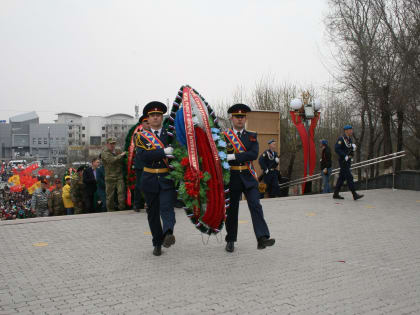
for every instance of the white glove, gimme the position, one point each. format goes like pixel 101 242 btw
pixel 266 171
pixel 168 150
pixel 346 158
pixel 277 159
pixel 231 157
pixel 354 147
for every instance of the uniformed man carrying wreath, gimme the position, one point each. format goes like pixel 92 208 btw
pixel 345 149
pixel 269 161
pixel 138 164
pixel 159 191
pixel 242 150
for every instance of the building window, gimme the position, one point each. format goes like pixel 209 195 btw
pixel 70 142
pixel 103 135
pixel 103 128
pixel 83 135
pixel 70 127
pixel 115 128
pixel 45 141
pixel 83 143
pixel 33 140
pixel 83 128
pixel 39 141
pixel 70 135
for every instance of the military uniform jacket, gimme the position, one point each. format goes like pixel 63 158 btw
pixel 249 139
pixel 113 164
pixel 153 157
pixel 55 202
pixel 76 189
pixel 267 160
pixel 40 199
pixel 344 147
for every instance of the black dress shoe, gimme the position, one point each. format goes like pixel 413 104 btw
pixel 263 242
pixel 230 247
pixel 357 196
pixel 168 240
pixel 157 251
pixel 337 196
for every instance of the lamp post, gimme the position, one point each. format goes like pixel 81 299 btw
pixel 305 115
pixel 49 146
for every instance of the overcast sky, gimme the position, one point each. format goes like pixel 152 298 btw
pixel 96 57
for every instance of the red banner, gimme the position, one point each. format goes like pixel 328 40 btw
pixel 297 120
pixel 189 129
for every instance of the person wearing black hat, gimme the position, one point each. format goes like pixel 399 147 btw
pixel 269 161
pixel 345 150
pixel 144 121
pixel 139 165
pixel 153 151
pixel 242 150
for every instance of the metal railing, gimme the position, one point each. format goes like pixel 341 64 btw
pixel 357 165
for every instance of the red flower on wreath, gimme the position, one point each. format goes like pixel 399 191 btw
pixel 185 162
pixel 192 181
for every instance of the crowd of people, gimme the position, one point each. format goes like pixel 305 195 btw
pixel 15 205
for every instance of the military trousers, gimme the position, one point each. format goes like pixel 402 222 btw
pixel 160 204
pixel 78 207
pixel 272 181
pixel 112 185
pixel 43 212
pixel 138 194
pixel 345 175
pixel 258 222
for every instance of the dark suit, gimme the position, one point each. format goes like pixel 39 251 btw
pixel 159 191
pixel 244 182
pixel 90 188
pixel 268 162
pixel 344 148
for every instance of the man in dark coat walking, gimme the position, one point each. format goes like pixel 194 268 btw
pixel 326 165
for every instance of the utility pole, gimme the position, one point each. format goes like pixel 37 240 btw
pixel 49 146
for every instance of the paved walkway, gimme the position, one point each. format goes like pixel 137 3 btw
pixel 330 258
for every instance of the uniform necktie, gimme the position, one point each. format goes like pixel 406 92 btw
pixel 239 134
pixel 157 133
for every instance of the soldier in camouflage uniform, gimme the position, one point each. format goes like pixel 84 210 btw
pixel 113 165
pixel 76 191
pixel 55 201
pixel 39 203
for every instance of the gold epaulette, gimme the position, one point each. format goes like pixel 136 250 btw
pixel 140 143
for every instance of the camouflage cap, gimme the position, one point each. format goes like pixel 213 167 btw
pixel 111 140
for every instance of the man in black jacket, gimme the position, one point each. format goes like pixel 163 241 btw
pixel 325 166
pixel 153 150
pixel 89 179
pixel 269 161
pixel 242 148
